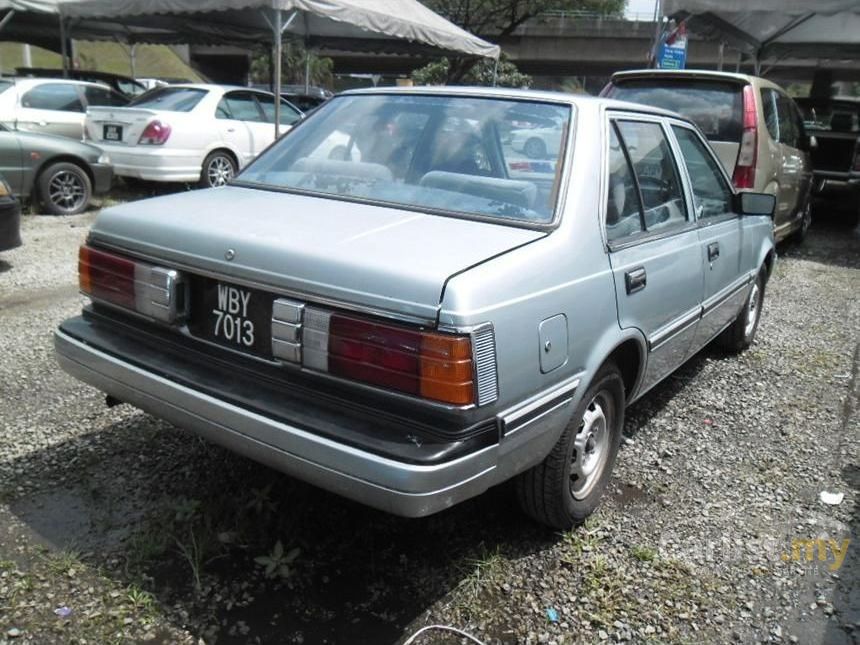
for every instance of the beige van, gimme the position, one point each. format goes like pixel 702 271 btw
pixel 753 125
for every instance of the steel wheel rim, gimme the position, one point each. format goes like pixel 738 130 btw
pixel 219 171
pixel 591 447
pixel 67 191
pixel 752 310
pixel 534 149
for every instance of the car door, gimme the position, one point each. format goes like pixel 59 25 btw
pixel 11 159
pixel 52 108
pixel 654 247
pixel 290 115
pixel 721 235
pixel 235 113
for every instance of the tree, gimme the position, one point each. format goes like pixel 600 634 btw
pixel 480 73
pixel 499 18
pixel 293 67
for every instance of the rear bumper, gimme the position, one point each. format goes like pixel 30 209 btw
pixel 10 223
pixel 154 163
pixel 314 440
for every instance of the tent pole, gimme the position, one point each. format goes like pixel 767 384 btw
pixel 64 53
pixel 495 72
pixel 307 68
pixel 722 51
pixel 278 35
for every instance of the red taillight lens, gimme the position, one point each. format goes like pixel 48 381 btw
pixel 744 175
pixel 428 364
pixel 153 291
pixel 106 276
pixel 155 134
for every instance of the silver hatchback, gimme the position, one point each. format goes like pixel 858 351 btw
pixel 395 304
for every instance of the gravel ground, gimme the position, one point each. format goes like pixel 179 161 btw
pixel 115 527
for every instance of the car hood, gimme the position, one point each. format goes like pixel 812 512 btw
pixel 372 256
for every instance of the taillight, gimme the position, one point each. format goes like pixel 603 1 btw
pixel 744 175
pixel 150 290
pixel 432 365
pixel 155 134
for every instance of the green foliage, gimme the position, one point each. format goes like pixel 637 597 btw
pixel 439 72
pixel 277 563
pixel 293 67
pixel 502 17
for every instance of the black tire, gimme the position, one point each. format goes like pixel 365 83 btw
pixel 800 234
pixel 547 491
pixel 64 188
pixel 741 333
pixel 535 148
pixel 219 167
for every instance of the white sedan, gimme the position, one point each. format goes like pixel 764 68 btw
pixel 188 133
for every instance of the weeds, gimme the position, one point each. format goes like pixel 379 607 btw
pixel 277 563
pixel 644 553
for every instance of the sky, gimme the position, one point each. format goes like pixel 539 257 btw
pixel 640 6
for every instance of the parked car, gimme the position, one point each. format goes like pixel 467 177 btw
pixel 51 106
pixel 10 218
pixel 60 173
pixel 304 100
pixel 536 142
pixel 752 124
pixel 188 133
pixel 835 124
pixel 408 332
pixel 124 85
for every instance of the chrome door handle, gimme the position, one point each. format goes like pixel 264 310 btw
pixel 713 251
pixel 635 280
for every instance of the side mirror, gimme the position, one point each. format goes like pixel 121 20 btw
pixel 755 204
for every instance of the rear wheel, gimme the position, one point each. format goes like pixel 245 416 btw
pixel 805 222
pixel 566 487
pixel 741 333
pixel 535 148
pixel 219 167
pixel 64 188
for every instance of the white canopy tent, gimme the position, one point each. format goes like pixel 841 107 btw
pixel 390 26
pixel 765 29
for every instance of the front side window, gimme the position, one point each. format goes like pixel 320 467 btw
pixel 656 174
pixel 171 99
pixel 711 194
pixel 289 114
pixel 102 96
pixel 63 97
pixel 240 106
pixel 788 133
pixel 428 152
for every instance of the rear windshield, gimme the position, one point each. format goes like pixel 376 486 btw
pixel 837 116
pixel 476 156
pixel 715 106
pixel 172 99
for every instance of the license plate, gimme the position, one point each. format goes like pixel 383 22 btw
pixel 232 316
pixel 112 133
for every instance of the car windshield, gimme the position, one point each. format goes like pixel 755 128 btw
pixel 715 106
pixel 837 116
pixel 481 157
pixel 172 99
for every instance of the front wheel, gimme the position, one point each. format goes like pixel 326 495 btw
pixel 741 333
pixel 218 168
pixel 64 189
pixel 566 487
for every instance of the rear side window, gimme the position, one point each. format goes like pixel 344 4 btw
pixel 172 99
pixel 103 96
pixel 715 106
pixel 623 210
pixel 771 117
pixel 656 174
pixel 63 97
pixel 240 106
pixel 788 126
pixel 712 196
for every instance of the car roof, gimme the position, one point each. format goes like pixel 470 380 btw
pixel 40 80
pixel 519 94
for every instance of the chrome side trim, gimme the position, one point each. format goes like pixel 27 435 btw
pixel 677 326
pixel 719 298
pixel 538 406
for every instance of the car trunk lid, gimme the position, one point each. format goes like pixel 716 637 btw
pixel 105 125
pixel 361 255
